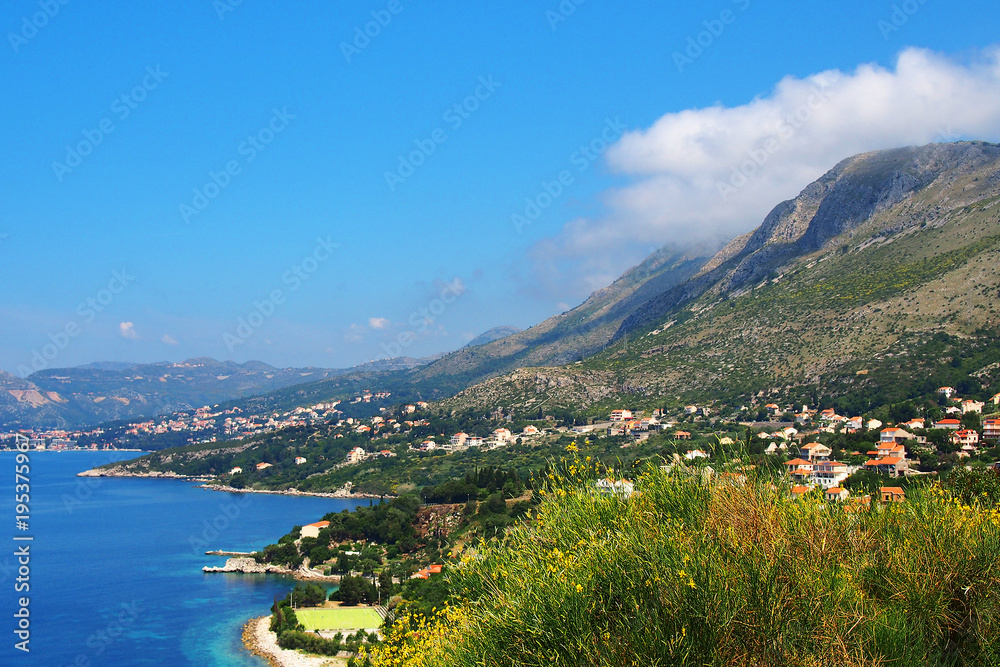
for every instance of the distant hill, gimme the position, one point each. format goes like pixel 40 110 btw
pixel 106 391
pixel 883 273
pixel 496 333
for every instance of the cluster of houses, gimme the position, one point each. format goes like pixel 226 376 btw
pixel 357 455
pixel 461 441
pixel 368 397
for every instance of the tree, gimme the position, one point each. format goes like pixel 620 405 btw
pixel 307 595
pixel 971 420
pixel 354 590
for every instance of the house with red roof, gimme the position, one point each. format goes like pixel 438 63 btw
pixel 969 405
pixel 815 451
pixel 829 474
pixel 965 437
pixel 894 435
pixel 836 493
pixel 312 529
pixel 891 494
pixel 991 429
pixel 950 423
pixel 893 466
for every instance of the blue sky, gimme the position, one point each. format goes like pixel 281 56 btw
pixel 246 140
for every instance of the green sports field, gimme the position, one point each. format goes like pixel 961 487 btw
pixel 342 618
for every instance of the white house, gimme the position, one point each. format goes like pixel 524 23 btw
pixel 969 405
pixel 356 455
pixel 299 460
pixel 620 415
pixel 894 435
pixel 695 454
pixel 621 488
pixel 503 435
pixel 829 474
pixel 815 451
pixel 965 437
pixel 236 471
pixel 312 530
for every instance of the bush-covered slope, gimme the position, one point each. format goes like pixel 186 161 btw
pixel 737 574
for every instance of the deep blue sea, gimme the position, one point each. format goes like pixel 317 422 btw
pixel 116 565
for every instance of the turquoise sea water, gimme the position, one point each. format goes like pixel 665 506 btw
pixel 116 565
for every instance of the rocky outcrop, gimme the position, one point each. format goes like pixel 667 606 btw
pixel 119 471
pixel 244 565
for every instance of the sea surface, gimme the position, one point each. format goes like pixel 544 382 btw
pixel 115 565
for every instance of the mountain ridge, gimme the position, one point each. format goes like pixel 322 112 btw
pixel 826 282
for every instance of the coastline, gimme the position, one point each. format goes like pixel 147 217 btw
pixel 295 492
pixel 259 640
pixel 247 565
pixel 117 472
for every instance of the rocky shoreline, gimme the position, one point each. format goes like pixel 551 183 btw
pixel 340 493
pixel 245 565
pixel 122 472
pixel 259 640
pixel 205 484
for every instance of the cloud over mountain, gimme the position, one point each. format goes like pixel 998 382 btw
pixel 702 175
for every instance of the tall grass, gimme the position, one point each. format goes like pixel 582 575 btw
pixel 693 572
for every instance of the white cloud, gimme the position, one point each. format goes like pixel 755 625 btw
pixel 127 330
pixel 169 340
pixel 378 322
pixel 784 140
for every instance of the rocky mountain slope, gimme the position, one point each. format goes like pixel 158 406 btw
pixel 886 253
